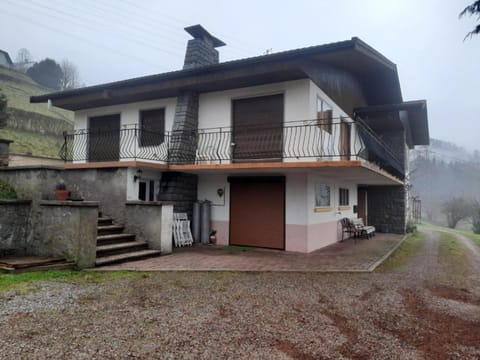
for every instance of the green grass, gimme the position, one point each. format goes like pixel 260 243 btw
pixel 18 88
pixel 237 248
pixel 450 248
pixel 34 143
pixel 475 237
pixel 21 283
pixel 454 254
pixel 404 253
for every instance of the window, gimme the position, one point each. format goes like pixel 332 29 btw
pixel 324 115
pixel 343 197
pixel 322 195
pixel 146 190
pixel 152 127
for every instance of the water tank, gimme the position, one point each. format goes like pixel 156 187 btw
pixel 196 222
pixel 205 208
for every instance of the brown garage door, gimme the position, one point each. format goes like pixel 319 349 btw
pixel 257 212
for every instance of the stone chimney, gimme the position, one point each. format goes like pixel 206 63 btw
pixel 201 49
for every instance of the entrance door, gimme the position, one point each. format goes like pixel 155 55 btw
pixel 257 212
pixel 258 128
pixel 362 205
pixel 345 140
pixel 104 138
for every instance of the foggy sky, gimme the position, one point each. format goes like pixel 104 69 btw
pixel 111 40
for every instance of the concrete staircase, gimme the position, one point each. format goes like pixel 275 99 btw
pixel 114 246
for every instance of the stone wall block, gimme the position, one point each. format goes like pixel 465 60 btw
pixel 67 229
pixel 151 222
pixel 14 226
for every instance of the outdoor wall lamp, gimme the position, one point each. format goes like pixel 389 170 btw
pixel 138 175
pixel 220 192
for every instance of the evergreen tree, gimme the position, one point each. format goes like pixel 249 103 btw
pixel 47 73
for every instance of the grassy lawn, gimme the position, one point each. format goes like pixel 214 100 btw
pixel 18 88
pixel 21 282
pixel 404 253
pixel 29 142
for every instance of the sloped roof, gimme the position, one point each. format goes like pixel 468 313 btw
pixel 376 73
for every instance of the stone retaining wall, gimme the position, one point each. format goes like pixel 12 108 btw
pixel 66 229
pixel 108 186
pixel 14 226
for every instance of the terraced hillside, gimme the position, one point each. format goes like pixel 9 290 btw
pixel 34 128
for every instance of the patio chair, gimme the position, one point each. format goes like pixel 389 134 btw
pixel 365 231
pixel 349 228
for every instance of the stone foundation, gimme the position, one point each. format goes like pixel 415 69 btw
pixel 387 208
pixel 180 189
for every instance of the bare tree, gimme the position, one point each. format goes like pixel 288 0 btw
pixel 472 9
pixel 23 60
pixel 456 209
pixel 71 78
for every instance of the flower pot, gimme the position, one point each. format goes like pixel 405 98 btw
pixel 213 240
pixel 62 195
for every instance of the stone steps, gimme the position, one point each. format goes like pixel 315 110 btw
pixel 119 258
pixel 114 238
pixel 113 249
pixel 105 221
pixel 114 246
pixel 109 229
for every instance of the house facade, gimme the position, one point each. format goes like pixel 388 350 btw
pixel 283 145
pixel 5 59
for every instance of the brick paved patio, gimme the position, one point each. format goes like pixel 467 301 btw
pixel 346 256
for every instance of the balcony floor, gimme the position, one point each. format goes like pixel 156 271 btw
pixel 358 171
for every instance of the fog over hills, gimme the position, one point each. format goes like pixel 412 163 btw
pixel 441 171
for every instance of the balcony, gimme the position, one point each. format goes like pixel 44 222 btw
pixel 307 140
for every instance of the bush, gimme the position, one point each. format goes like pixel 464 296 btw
pixel 411 227
pixel 476 217
pixel 6 191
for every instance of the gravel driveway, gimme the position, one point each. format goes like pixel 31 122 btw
pixel 420 310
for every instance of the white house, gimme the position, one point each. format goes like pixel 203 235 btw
pixel 284 145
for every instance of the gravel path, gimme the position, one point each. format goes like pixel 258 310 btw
pixel 416 311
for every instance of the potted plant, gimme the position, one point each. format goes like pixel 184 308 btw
pixel 213 237
pixel 61 192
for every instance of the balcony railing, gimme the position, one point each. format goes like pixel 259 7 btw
pixel 294 141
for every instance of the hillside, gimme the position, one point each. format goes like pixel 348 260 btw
pixel 34 128
pixel 442 171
